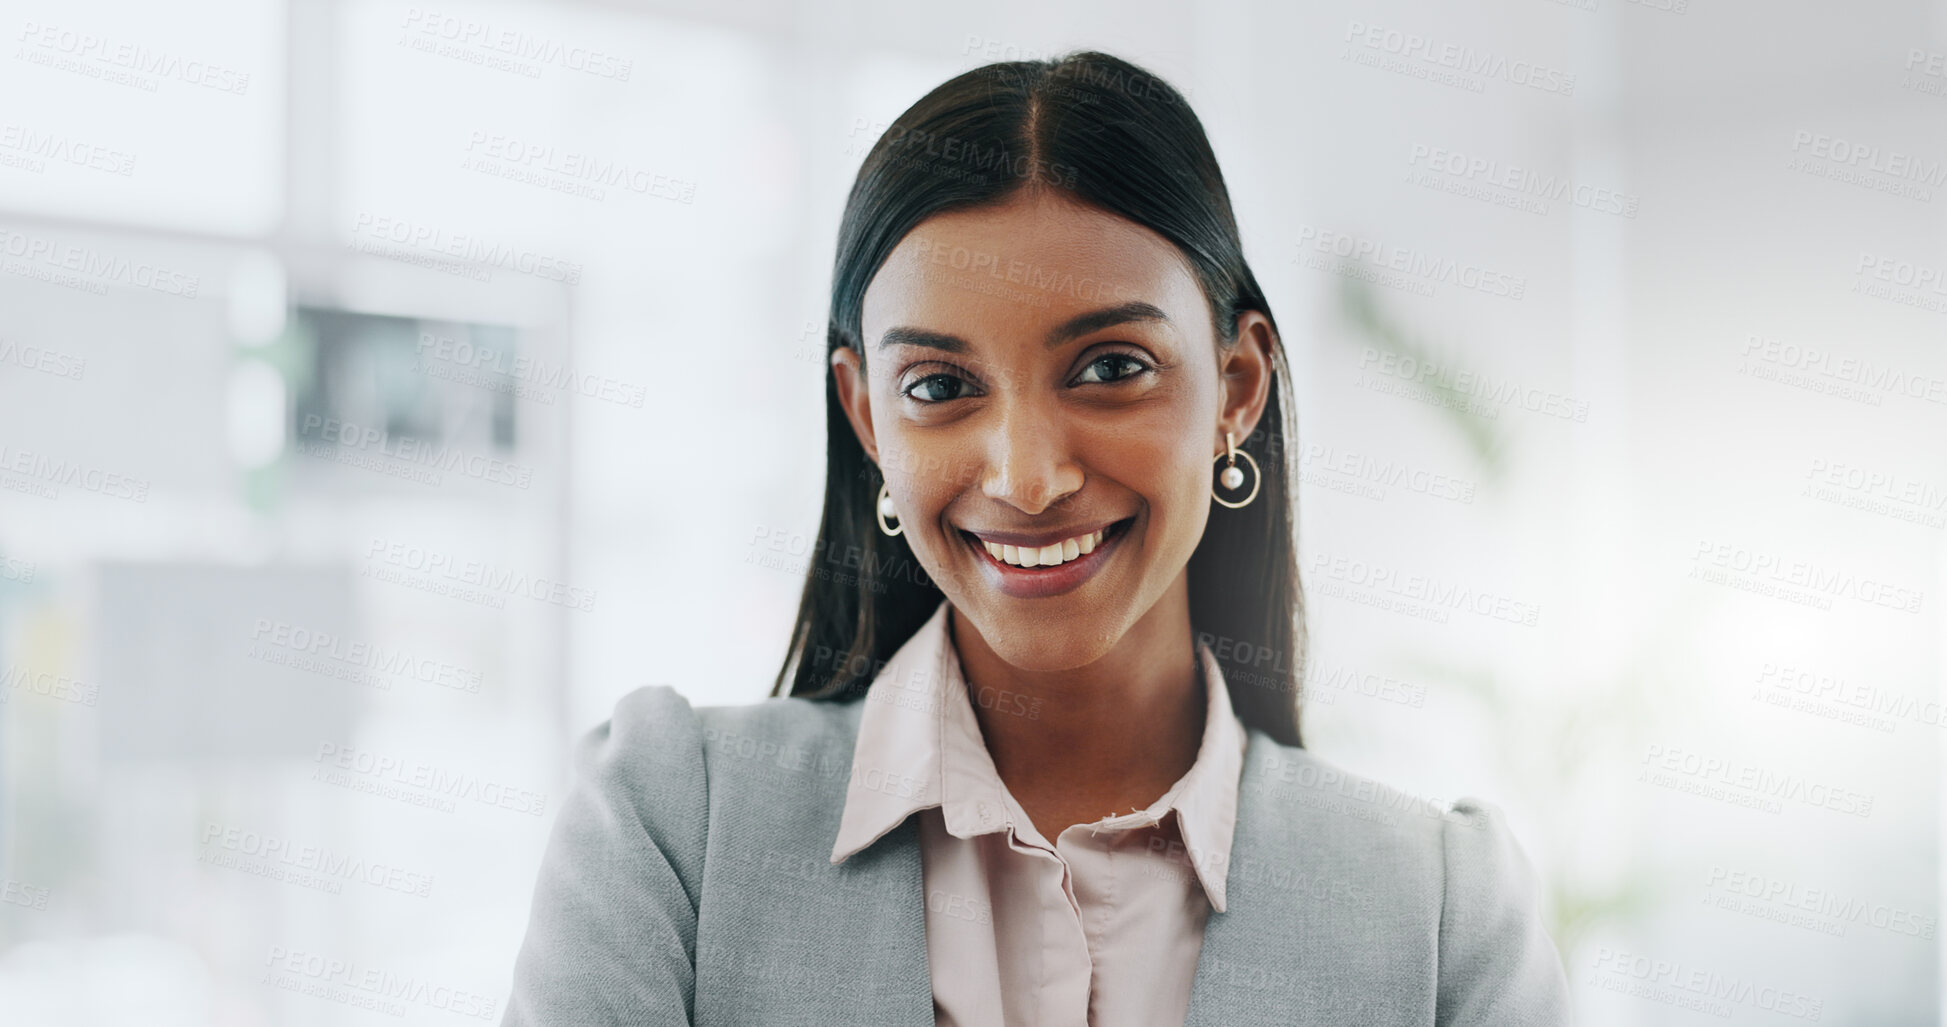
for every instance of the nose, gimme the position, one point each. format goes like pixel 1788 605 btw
pixel 1029 466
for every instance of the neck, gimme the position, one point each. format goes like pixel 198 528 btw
pixel 1112 735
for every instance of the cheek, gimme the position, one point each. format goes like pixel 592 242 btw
pixel 1164 461
pixel 1190 479
pixel 927 476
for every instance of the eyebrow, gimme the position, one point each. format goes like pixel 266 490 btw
pixel 1132 312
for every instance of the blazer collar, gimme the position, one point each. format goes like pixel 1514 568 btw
pixel 919 745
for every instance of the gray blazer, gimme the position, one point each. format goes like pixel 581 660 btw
pixel 688 880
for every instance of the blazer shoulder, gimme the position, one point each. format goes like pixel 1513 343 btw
pixel 787 744
pixel 1364 813
pixel 653 737
pixel 1440 891
pixel 661 714
pixel 782 720
pixel 645 766
pixel 612 924
pixel 1498 964
pixel 1385 844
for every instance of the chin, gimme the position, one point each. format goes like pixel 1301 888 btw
pixel 1044 642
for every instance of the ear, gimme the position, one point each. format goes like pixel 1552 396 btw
pixel 855 397
pixel 1244 373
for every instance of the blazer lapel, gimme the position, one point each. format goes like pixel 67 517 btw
pixel 1323 922
pixel 1215 1000
pixel 896 925
pixel 879 915
pixel 786 936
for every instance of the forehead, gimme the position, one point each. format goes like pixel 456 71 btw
pixel 1010 271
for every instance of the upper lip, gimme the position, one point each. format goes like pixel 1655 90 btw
pixel 1037 540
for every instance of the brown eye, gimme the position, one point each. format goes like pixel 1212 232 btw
pixel 936 388
pixel 1117 367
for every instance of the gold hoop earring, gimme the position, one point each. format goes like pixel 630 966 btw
pixel 1231 478
pixel 885 509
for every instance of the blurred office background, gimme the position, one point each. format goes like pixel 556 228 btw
pixel 387 389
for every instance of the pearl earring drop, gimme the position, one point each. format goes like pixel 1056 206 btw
pixel 1232 476
pixel 886 512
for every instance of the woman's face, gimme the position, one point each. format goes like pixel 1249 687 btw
pixel 1044 378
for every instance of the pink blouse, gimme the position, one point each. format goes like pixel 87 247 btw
pixel 1103 926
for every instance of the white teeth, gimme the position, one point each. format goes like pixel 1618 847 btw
pixel 1048 555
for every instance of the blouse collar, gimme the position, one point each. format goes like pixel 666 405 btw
pixel 920 746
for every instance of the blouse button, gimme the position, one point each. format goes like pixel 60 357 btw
pixel 986 813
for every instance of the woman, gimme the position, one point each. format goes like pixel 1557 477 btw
pixel 1039 762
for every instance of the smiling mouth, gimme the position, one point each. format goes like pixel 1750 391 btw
pixel 1051 556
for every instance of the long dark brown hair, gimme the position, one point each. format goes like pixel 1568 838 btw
pixel 1113 136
